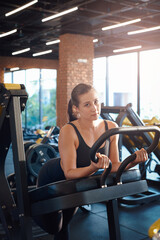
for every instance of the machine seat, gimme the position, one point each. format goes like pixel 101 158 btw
pixel 66 187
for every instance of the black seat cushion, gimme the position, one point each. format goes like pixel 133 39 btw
pixel 66 187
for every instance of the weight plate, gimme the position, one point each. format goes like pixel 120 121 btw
pixel 27 145
pixel 37 155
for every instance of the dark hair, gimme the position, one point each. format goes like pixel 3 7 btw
pixel 70 112
pixel 80 89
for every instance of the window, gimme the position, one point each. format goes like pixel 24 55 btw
pixel 48 97
pixel 115 78
pixel 8 77
pixel 40 85
pixel 122 75
pixel 33 88
pixel 149 84
pixel 99 77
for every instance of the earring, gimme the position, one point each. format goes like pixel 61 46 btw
pixel 78 115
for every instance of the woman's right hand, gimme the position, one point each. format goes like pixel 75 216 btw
pixel 103 162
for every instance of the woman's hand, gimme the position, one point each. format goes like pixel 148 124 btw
pixel 103 161
pixel 141 156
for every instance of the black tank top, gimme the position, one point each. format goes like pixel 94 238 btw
pixel 83 150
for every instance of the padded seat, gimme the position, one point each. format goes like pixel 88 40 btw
pixel 66 187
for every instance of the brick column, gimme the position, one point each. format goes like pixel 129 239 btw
pixel 76 53
pixel 1 75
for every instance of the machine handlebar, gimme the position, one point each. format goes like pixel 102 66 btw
pixel 129 131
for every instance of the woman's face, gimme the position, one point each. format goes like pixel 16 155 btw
pixel 89 106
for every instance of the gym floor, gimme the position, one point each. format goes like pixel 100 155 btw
pixel 92 224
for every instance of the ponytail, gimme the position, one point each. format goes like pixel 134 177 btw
pixel 70 112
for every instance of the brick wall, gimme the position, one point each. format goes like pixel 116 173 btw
pixel 1 75
pixel 26 63
pixel 75 65
pixel 76 53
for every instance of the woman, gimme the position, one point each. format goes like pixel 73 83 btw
pixel 75 141
pixel 85 128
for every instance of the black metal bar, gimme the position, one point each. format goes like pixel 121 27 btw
pixel 129 131
pixel 25 232
pixel 8 214
pixel 113 219
pixel 114 109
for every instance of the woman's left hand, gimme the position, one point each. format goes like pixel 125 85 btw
pixel 141 156
pixel 103 161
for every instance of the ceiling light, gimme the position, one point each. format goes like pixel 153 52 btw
pixel 53 42
pixel 14 69
pixel 41 53
pixel 59 14
pixel 21 51
pixel 144 30
pixel 8 33
pixel 121 24
pixel 95 40
pixel 126 49
pixel 21 8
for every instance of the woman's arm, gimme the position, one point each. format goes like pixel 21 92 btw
pixel 141 156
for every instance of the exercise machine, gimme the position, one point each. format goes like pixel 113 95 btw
pixel 18 206
pixel 154 230
pixel 126 116
pixel 37 153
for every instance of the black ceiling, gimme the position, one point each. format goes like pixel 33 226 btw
pixel 90 17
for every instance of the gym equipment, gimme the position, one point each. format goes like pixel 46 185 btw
pixel 127 116
pixel 154 230
pixel 19 205
pixel 29 134
pixel 44 138
pixel 27 144
pixel 37 155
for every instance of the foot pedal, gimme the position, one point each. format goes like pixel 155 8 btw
pixel 141 198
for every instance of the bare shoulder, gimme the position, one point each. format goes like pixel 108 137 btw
pixel 67 138
pixel 67 129
pixel 111 124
